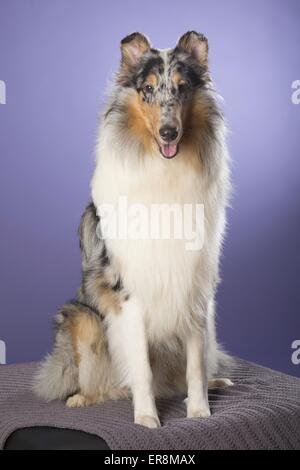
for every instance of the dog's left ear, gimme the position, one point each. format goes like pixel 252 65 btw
pixel 132 48
pixel 196 45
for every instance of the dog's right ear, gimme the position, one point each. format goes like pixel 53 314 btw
pixel 132 48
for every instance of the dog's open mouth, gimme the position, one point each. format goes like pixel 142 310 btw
pixel 169 150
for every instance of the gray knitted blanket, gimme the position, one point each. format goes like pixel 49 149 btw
pixel 261 411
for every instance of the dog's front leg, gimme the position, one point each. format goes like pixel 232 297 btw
pixel 135 346
pixel 196 375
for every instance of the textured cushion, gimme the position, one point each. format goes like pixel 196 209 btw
pixel 261 411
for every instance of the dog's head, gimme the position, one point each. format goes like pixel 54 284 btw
pixel 164 84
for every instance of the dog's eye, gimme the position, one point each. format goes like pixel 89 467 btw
pixel 148 89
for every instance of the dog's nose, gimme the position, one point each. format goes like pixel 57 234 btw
pixel 168 133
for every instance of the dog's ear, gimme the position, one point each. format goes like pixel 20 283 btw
pixel 196 45
pixel 132 49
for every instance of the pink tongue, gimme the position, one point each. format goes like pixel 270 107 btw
pixel 169 150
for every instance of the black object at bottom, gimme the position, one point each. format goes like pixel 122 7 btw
pixel 46 438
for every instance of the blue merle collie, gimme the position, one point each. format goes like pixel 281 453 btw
pixel 143 323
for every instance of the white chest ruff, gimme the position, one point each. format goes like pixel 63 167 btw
pixel 164 275
pixel 161 274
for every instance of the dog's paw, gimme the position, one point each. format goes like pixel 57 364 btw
pixel 220 383
pixel 202 412
pixel 77 401
pixel 151 422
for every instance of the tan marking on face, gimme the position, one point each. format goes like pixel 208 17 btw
pixel 152 113
pixel 177 78
pixel 196 127
pixel 151 80
pixel 144 120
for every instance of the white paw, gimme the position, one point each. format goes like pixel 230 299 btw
pixel 201 412
pixel 220 383
pixel 151 422
pixel 77 401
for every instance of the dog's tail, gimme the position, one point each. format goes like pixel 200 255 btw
pixel 55 378
pixel 57 375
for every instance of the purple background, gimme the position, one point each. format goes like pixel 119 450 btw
pixel 56 57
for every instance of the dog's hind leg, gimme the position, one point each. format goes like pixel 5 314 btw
pixel 91 357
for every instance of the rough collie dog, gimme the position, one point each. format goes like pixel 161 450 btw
pixel 143 323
